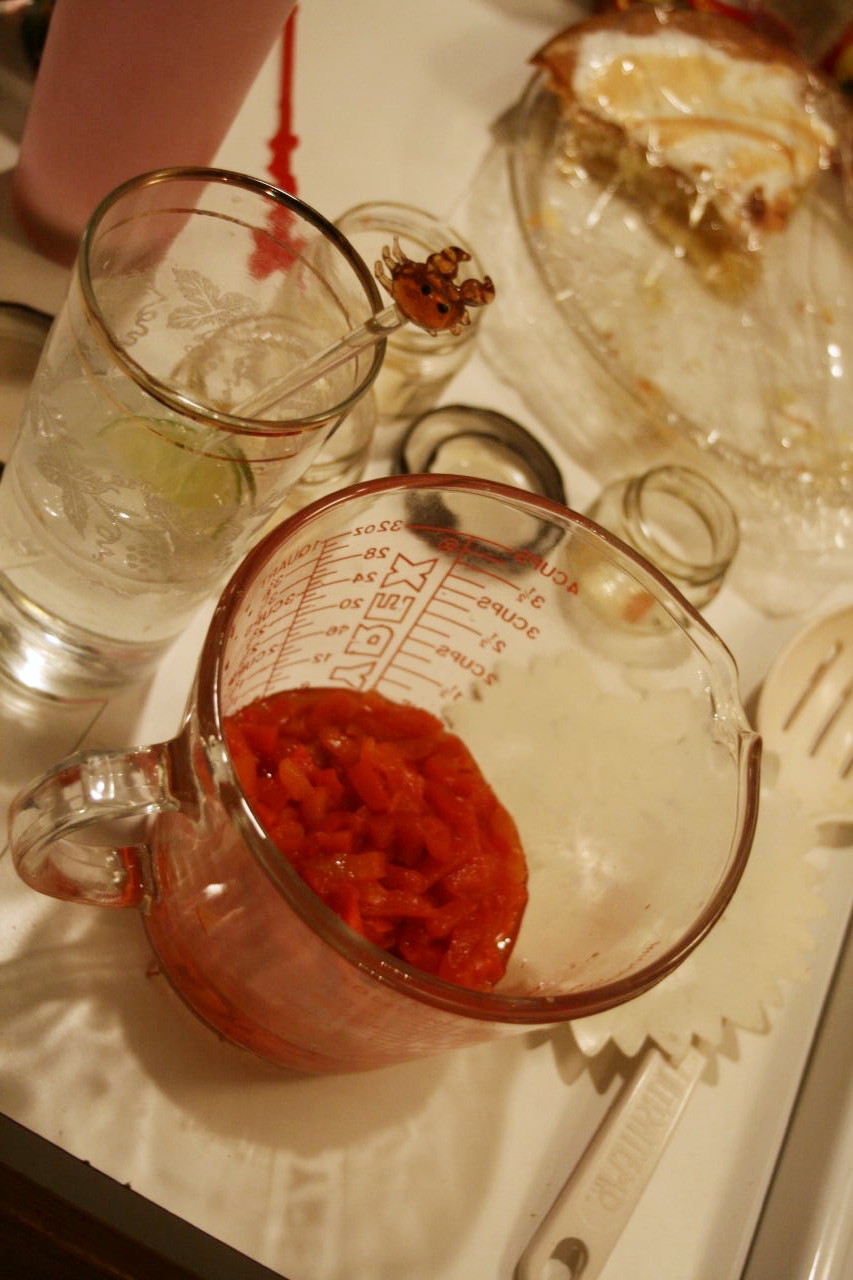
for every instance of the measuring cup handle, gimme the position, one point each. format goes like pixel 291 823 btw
pixel 90 789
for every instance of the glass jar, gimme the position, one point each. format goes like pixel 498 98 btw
pixel 341 461
pixel 679 521
pixel 417 365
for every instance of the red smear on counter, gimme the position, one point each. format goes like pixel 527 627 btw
pixel 284 142
pixel 276 250
pixel 387 817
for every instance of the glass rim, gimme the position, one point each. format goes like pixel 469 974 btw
pixel 169 396
pixel 485 1006
pixel 717 515
pixel 421 219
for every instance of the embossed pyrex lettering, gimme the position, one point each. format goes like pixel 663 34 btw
pixel 353 675
pixel 389 606
pixel 384 613
pixel 408 573
pixel 370 639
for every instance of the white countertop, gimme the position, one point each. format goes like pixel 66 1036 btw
pixel 437 1170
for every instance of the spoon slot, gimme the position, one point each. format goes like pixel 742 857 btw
pixel 812 684
pixel 805 716
pixel 822 715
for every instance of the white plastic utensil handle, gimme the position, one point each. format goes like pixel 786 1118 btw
pixel 582 1226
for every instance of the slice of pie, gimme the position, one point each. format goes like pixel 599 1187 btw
pixel 716 130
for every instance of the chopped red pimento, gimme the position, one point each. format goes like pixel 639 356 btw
pixel 387 817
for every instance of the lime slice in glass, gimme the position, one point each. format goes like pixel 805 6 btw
pixel 162 456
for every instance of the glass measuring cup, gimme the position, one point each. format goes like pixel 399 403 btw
pixel 634 787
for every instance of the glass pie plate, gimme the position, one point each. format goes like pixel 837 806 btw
pixel 628 356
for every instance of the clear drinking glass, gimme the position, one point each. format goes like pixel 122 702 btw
pixel 342 460
pixel 634 791
pixel 138 478
pixel 418 365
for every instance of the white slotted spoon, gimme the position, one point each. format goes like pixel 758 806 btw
pixel 805 715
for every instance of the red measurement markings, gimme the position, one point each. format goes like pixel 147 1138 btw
pixel 268 624
pixel 376 616
pixel 284 621
pixel 347 616
pixel 280 245
pixel 455 600
pixel 393 584
pixel 490 559
pixel 446 614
